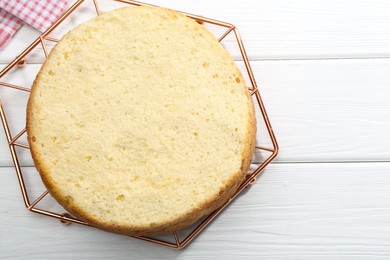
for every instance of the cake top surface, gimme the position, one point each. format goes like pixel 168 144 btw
pixel 139 118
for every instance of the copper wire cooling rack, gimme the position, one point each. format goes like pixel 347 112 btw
pixel 178 242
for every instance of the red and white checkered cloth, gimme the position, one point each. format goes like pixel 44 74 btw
pixel 40 14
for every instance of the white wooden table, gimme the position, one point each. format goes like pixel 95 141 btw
pixel 323 68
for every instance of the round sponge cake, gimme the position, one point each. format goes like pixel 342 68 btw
pixel 139 122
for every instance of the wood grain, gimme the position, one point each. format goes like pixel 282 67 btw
pixel 273 29
pixel 324 110
pixel 323 72
pixel 294 211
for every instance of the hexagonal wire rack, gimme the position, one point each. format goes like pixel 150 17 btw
pixel 194 230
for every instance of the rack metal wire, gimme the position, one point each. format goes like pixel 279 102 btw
pixel 65 218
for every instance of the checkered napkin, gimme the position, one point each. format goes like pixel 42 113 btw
pixel 39 14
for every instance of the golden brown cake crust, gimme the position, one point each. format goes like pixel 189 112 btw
pixel 226 191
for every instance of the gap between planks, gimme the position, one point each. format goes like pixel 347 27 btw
pixel 274 163
pixel 284 59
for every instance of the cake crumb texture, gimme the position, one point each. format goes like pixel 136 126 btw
pixel 139 122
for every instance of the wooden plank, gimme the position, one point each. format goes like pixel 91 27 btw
pixel 294 211
pixel 327 110
pixel 273 29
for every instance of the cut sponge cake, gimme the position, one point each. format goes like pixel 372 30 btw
pixel 139 122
